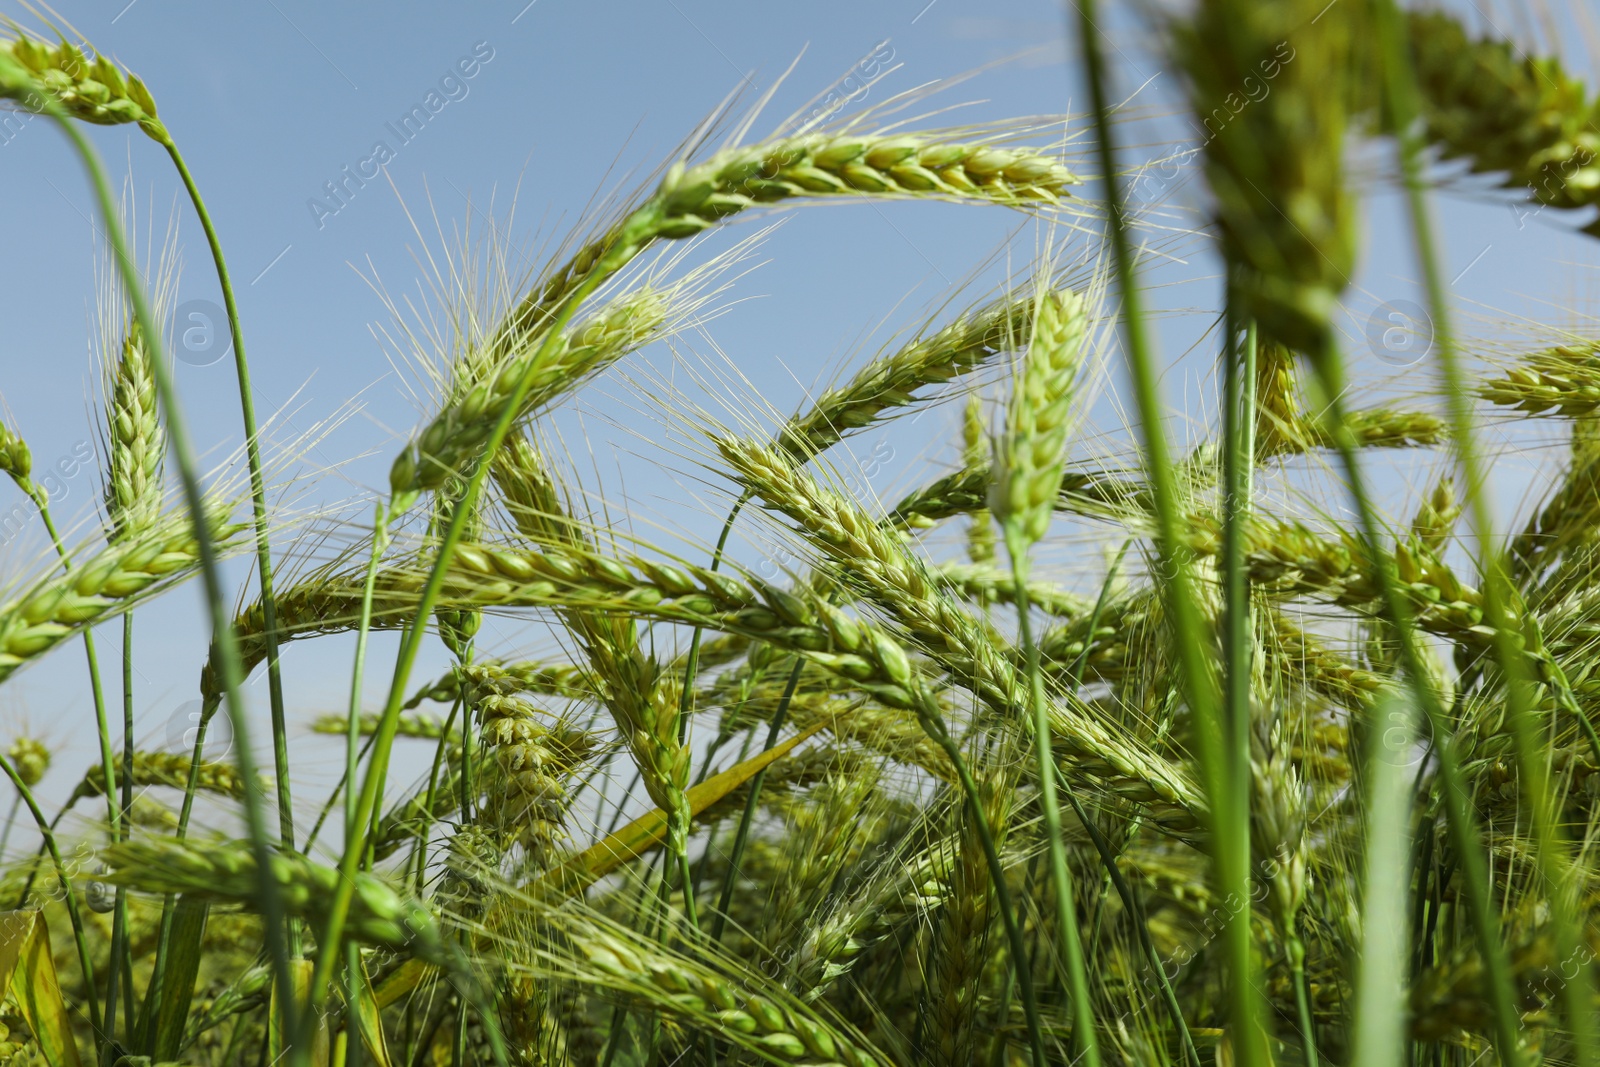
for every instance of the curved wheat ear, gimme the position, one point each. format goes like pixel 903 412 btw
pixel 770 1024
pixel 888 382
pixel 1564 380
pixel 138 444
pixel 966 492
pixel 1509 113
pixel 62 604
pixel 168 769
pixel 456 434
pixel 876 559
pixel 1031 455
pixel 691 199
pixel 90 90
pixel 224 870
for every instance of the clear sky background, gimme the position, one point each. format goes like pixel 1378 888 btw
pixel 272 99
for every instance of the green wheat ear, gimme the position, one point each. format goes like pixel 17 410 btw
pixel 1508 112
pixel 1032 455
pixel 138 444
pixel 88 89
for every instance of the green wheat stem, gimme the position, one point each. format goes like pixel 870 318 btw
pixel 333 798
pixel 934 726
pixel 1233 810
pixel 1460 819
pixel 119 922
pixel 456 708
pixel 1189 636
pixel 258 496
pixel 270 900
pixel 1085 1044
pixel 741 837
pixel 358 668
pixel 1579 995
pixel 68 894
pixel 105 1029
pixel 411 643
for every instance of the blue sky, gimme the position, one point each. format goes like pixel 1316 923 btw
pixel 273 101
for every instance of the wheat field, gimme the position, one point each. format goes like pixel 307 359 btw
pixel 1062 755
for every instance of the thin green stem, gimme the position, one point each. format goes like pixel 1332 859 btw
pixel 380 527
pixel 934 726
pixel 107 769
pixel 1190 639
pixel 224 641
pixel 11 820
pixel 637 229
pixel 258 496
pixel 1498 592
pixel 333 798
pixel 1233 806
pixel 1302 998
pixel 71 897
pixel 431 795
pixel 719 921
pixel 1085 1043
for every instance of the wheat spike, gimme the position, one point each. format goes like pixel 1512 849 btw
pixel 137 442
pixel 1284 211
pixel 88 89
pixel 888 383
pixel 1032 454
pixel 1508 112
pixel 167 769
pixel 58 606
pixel 225 870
